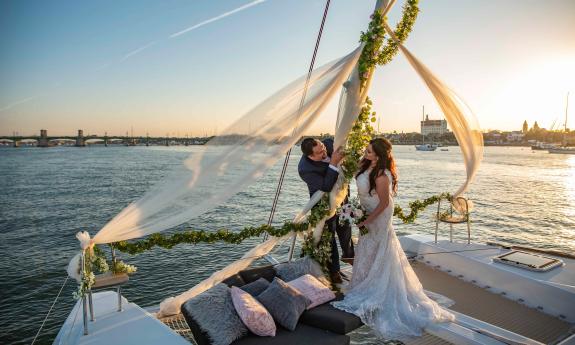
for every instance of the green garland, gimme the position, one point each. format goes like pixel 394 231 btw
pixel 373 54
pixel 201 236
pixel 417 206
pixel 357 140
pixel 95 261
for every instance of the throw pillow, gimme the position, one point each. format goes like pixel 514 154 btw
pixel 253 314
pixel 291 270
pixel 313 289
pixel 256 287
pixel 213 310
pixel 284 303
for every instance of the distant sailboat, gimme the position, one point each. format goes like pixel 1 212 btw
pixel 564 149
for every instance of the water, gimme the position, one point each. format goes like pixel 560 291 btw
pixel 47 195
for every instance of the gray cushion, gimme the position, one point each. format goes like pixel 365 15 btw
pixel 291 270
pixel 268 272
pixel 303 335
pixel 328 317
pixel 234 280
pixel 214 313
pixel 256 287
pixel 284 303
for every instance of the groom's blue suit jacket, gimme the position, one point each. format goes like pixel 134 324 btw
pixel 317 175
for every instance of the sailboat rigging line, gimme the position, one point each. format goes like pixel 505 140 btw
pixel 288 153
pixel 50 310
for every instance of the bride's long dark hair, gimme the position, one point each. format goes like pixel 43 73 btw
pixel 382 148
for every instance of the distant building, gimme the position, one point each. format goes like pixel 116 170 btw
pixel 515 136
pixel 438 127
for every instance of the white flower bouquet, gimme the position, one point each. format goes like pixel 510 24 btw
pixel 352 213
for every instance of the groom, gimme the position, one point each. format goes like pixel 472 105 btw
pixel 320 172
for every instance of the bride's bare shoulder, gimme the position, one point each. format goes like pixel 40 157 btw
pixel 382 177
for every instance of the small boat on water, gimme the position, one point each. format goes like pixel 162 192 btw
pixel 426 147
pixel 541 146
pixel 564 149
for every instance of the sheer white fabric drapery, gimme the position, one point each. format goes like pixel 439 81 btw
pixel 233 159
pixel 458 115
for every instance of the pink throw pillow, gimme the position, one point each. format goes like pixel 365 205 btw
pixel 313 289
pixel 253 314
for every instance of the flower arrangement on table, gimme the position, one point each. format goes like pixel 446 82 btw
pixel 353 213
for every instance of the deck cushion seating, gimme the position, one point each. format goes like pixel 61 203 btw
pixel 323 324
pixel 284 303
pixel 214 314
pixel 234 280
pixel 330 318
pixel 302 335
pixel 253 274
pixel 256 287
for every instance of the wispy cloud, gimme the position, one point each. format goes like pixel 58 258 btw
pixel 13 104
pixel 144 47
pixel 136 51
pixel 223 15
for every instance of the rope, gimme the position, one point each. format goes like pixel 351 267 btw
pixel 286 160
pixel 49 311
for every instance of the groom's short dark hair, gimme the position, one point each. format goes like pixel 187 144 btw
pixel 307 146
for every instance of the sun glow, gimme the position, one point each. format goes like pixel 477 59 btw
pixel 537 92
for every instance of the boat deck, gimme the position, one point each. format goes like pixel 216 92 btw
pixel 495 309
pixel 470 300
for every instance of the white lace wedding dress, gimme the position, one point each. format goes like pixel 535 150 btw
pixel 384 290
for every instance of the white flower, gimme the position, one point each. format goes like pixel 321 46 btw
pixel 358 213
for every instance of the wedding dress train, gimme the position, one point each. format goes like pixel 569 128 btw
pixel 384 290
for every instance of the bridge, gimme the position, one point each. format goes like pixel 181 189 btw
pixel 43 140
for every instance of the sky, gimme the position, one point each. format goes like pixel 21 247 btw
pixel 192 67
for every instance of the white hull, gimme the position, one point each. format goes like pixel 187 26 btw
pixel 563 150
pixel 426 147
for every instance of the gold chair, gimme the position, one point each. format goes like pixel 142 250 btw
pixel 458 213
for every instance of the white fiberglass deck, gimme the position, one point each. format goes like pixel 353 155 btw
pixel 551 292
pixel 132 326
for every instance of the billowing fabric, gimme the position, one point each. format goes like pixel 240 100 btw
pixel 458 115
pixel 384 291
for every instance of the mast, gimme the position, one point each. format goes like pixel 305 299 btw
pixel 565 127
pixel 422 123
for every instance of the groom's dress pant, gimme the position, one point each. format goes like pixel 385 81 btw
pixel 344 235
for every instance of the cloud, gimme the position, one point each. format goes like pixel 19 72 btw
pixel 223 15
pixel 136 51
pixel 13 104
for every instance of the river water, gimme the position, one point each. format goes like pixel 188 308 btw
pixel 47 195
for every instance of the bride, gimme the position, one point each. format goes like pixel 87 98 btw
pixel 384 290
